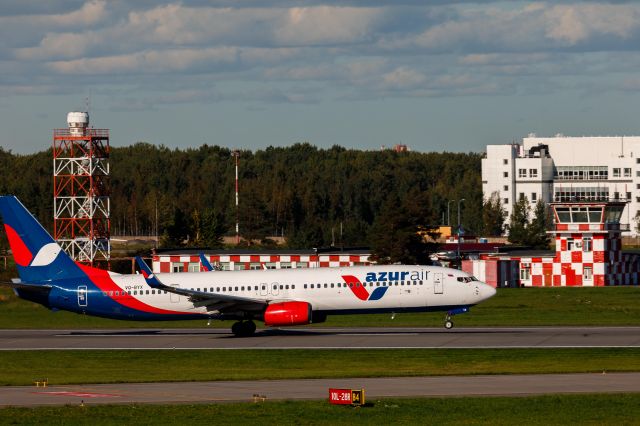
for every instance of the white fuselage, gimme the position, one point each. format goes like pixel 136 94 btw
pixel 421 288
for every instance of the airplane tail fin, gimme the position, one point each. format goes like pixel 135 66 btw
pixel 205 263
pixel 38 257
pixel 147 273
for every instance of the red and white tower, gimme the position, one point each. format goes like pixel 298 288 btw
pixel 81 207
pixel 588 244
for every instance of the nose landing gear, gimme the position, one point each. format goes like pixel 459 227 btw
pixel 243 328
pixel 448 323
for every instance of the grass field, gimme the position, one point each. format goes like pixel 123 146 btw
pixel 622 409
pixel 510 307
pixel 121 366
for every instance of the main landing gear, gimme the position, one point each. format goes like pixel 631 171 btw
pixel 243 328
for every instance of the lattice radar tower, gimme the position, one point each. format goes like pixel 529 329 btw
pixel 81 207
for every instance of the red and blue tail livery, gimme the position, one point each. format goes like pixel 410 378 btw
pixel 278 298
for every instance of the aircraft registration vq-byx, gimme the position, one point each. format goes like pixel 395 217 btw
pixel 281 297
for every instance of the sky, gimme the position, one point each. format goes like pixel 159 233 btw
pixel 436 75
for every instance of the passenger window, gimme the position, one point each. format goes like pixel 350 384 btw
pixel 242 288
pixel 293 287
pixel 325 285
pixel 236 288
pixel 331 285
pixel 286 287
pixel 305 286
pixel 280 286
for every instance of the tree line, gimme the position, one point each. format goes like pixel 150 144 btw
pixel 310 196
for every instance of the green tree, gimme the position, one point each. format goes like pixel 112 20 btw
pixel 213 228
pixel 493 216
pixel 537 236
pixel 519 221
pixel 397 233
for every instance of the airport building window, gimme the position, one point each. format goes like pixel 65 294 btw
pixel 587 273
pixel 534 197
pixel 627 172
pixel 522 173
pixel 616 172
pixel 533 172
pixel 177 267
pixel 194 267
pixel 505 201
pixel 521 196
pixel 505 161
pixel 285 265
pixel 587 244
pixel 581 173
pixel 505 174
pixel 302 264
pixel 505 187
pixel 255 266
pixel 525 271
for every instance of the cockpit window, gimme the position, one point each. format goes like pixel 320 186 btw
pixel 466 279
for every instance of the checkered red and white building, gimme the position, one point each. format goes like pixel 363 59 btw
pixel 188 260
pixel 588 252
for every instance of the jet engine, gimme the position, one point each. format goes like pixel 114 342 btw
pixel 288 313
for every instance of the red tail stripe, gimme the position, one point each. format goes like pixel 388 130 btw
pixel 103 281
pixel 21 253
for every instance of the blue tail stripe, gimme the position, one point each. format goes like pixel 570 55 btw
pixel 35 237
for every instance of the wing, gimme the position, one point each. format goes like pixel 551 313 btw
pixel 214 302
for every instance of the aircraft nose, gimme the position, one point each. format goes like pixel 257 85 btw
pixel 486 291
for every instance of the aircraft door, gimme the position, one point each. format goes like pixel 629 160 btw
pixel 274 289
pixel 82 296
pixel 438 287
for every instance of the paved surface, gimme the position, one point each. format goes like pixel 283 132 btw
pixel 525 337
pixel 200 392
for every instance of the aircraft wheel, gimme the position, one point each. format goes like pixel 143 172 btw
pixel 251 327
pixel 243 328
pixel 236 329
pixel 448 324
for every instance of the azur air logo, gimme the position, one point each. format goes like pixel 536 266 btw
pixel 361 291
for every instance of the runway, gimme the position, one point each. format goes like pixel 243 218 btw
pixel 210 392
pixel 326 338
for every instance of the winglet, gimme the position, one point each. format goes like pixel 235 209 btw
pixel 205 263
pixel 149 277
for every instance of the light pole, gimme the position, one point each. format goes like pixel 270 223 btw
pixel 448 215
pixel 459 225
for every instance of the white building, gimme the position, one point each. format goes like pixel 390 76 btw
pixel 563 168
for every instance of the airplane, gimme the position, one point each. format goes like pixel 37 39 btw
pixel 277 297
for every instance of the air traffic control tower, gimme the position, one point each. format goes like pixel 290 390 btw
pixel 81 207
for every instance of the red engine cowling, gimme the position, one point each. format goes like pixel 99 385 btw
pixel 287 313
